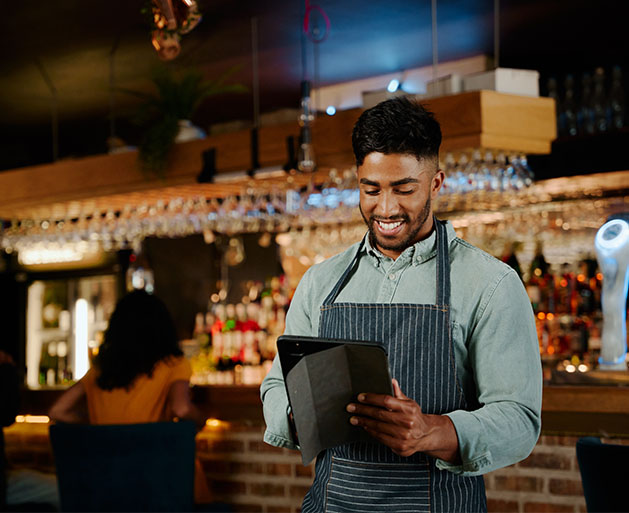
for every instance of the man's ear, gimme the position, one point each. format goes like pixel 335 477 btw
pixel 437 183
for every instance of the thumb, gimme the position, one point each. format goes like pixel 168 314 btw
pixel 397 391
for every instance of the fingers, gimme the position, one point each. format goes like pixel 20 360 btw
pixel 373 412
pixel 399 446
pixel 403 417
pixel 395 425
pixel 397 390
pixel 381 400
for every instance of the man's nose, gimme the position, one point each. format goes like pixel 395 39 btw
pixel 387 206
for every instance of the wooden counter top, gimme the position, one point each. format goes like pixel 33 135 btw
pixel 585 410
pixel 567 410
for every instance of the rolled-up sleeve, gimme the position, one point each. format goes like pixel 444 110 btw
pixel 504 356
pixel 273 391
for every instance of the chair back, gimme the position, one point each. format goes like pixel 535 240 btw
pixel 126 467
pixel 603 475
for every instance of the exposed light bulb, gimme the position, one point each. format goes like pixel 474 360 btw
pixel 394 85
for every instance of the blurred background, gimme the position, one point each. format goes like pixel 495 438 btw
pixel 67 56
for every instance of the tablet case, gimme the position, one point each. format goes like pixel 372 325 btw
pixel 322 376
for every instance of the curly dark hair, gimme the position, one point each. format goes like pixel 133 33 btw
pixel 399 125
pixel 141 332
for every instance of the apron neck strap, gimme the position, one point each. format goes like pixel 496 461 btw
pixel 442 274
pixel 443 263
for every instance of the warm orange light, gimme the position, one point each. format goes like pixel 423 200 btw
pixel 213 423
pixel 32 419
pixel 599 276
pixel 581 277
pixel 564 282
pixel 541 316
pixel 550 316
pixel 551 350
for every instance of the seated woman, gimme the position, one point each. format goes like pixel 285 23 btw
pixel 139 375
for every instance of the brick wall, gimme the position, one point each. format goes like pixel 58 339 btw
pixel 547 481
pixel 255 477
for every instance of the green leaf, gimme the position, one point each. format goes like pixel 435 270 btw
pixel 177 96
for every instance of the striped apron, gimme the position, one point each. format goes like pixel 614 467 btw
pixel 368 476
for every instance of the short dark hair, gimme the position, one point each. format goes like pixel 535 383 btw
pixel 141 332
pixel 399 125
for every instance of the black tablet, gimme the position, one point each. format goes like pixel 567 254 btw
pixel 322 376
pixel 292 348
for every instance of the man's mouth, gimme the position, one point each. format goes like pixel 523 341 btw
pixel 389 228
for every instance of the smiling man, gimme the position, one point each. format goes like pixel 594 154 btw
pixel 457 326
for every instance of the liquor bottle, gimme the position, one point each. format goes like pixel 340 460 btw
pixel 570 108
pixel 537 281
pixel 51 371
pixel 560 115
pixel 616 100
pixel 140 274
pixel 509 258
pixel 217 335
pixel 599 103
pixel 539 266
pixel 200 334
pixel 44 364
pixel 585 116
pixel 62 362
pixel 226 361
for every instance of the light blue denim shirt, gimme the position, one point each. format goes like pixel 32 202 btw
pixel 493 329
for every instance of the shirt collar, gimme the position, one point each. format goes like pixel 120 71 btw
pixel 419 252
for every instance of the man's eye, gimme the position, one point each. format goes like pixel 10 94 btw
pixel 405 191
pixel 371 192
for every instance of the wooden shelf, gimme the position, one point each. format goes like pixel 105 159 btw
pixel 470 120
pixel 487 119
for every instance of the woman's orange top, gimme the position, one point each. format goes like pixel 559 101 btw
pixel 144 401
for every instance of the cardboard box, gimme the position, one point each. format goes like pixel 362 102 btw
pixel 450 84
pixel 373 98
pixel 523 82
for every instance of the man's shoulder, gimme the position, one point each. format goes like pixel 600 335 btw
pixel 335 265
pixel 477 261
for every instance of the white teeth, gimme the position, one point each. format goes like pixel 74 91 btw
pixel 389 226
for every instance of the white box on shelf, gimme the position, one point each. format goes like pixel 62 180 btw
pixel 442 86
pixel 524 82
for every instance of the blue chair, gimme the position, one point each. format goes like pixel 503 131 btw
pixel 603 475
pixel 127 467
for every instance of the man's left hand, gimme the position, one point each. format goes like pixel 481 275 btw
pixel 398 422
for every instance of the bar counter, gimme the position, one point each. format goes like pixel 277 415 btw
pixel 573 410
pixel 243 471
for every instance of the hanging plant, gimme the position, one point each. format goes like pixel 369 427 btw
pixel 176 98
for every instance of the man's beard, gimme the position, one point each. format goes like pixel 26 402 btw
pixel 409 240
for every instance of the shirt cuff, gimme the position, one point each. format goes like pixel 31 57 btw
pixel 467 468
pixel 476 457
pixel 279 441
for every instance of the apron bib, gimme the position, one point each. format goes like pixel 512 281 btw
pixel 368 476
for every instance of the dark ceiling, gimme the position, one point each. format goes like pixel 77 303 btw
pixel 67 44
